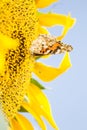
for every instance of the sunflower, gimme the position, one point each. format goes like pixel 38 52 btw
pixel 20 24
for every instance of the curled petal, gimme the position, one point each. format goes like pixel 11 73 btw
pixel 42 103
pixel 24 123
pixel 69 24
pixel 33 110
pixel 52 19
pixel 42 4
pixel 48 73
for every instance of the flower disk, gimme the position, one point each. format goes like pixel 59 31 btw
pixel 19 21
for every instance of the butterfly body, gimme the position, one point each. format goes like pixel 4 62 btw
pixel 47 44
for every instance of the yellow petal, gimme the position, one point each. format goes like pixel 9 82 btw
pixel 33 110
pixel 66 28
pixel 10 128
pixel 2 61
pixel 42 4
pixel 7 42
pixel 25 124
pixel 51 19
pixel 15 125
pixel 41 103
pixel 42 30
pixel 48 73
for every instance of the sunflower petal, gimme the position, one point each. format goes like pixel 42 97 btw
pixel 25 124
pixel 69 24
pixel 42 30
pixel 42 4
pixel 42 103
pixel 2 61
pixel 52 19
pixel 33 110
pixel 7 42
pixel 15 125
pixel 48 73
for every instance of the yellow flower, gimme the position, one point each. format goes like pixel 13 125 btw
pixel 20 24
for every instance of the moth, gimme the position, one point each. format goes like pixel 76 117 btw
pixel 46 44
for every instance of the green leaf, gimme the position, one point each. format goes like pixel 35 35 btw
pixel 34 81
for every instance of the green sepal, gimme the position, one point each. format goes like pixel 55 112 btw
pixel 41 13
pixel 22 109
pixel 37 57
pixel 34 81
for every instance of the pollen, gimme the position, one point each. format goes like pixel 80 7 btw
pixel 19 21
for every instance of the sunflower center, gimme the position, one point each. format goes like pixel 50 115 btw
pixel 18 20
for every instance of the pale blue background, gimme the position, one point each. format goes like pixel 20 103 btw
pixel 68 94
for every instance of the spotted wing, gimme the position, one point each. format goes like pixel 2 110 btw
pixel 47 44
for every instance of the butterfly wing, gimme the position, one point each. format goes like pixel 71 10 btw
pixel 47 44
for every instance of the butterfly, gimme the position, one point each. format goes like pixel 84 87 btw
pixel 46 44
